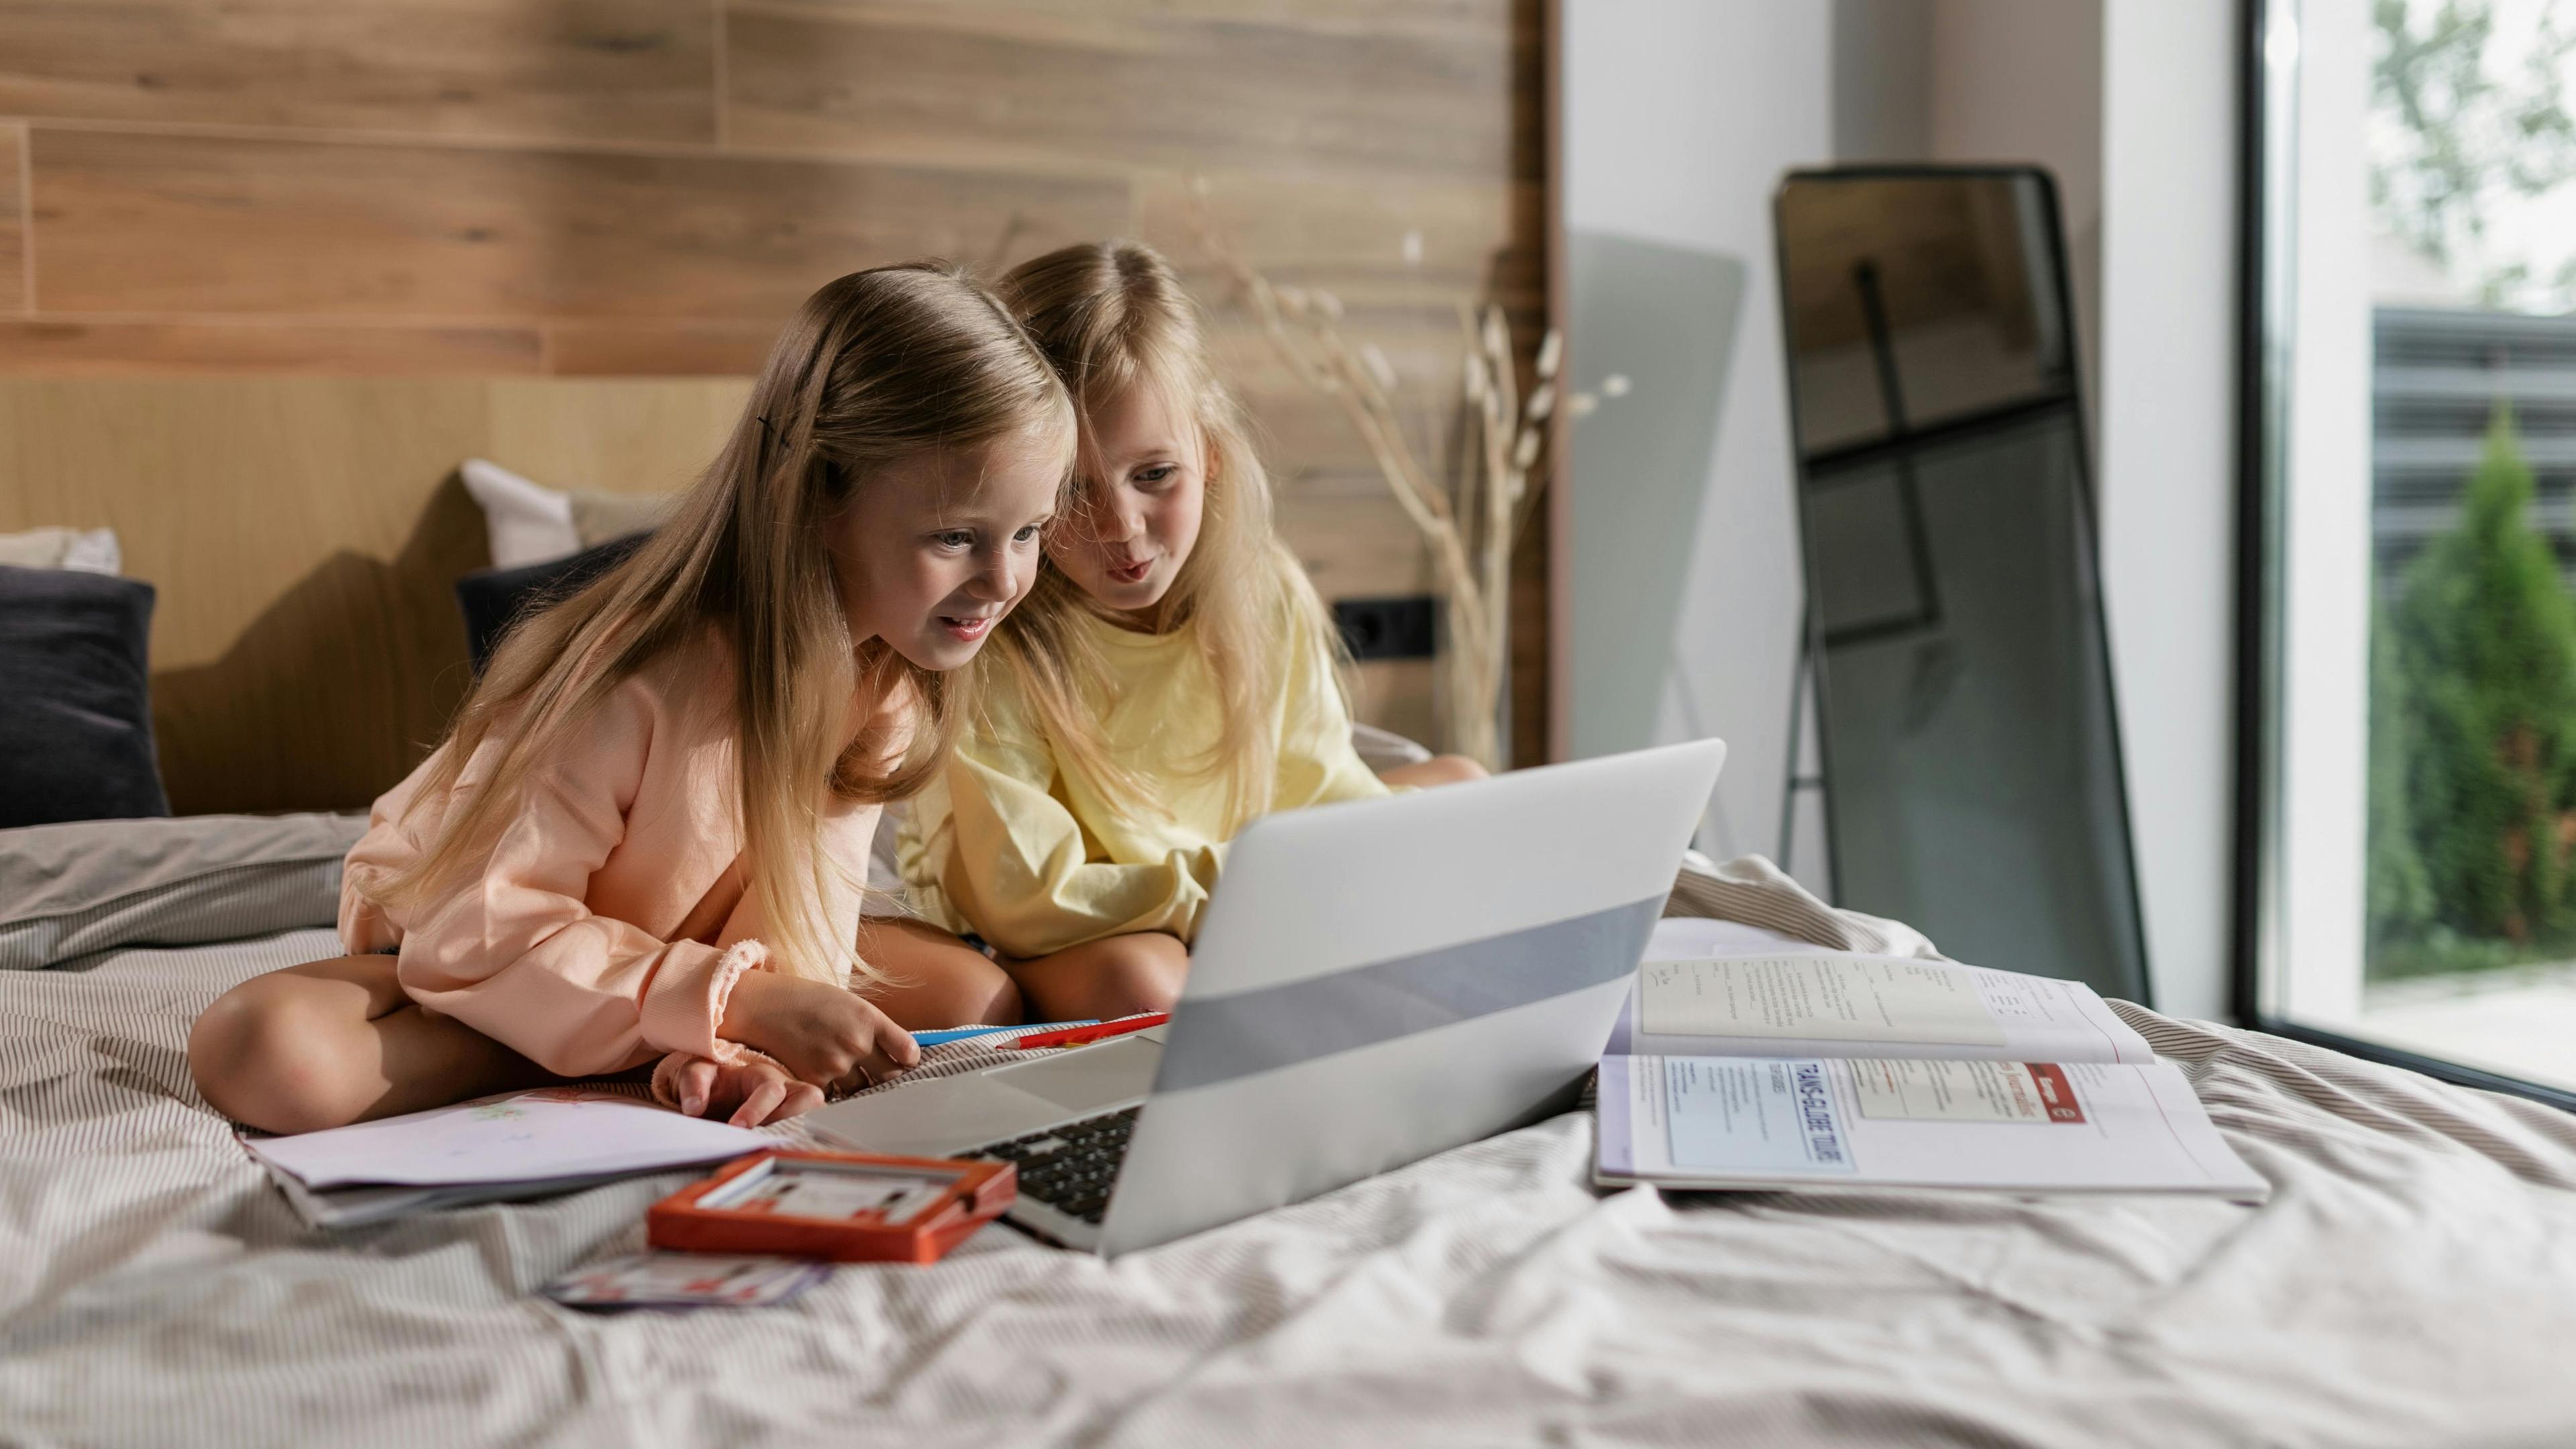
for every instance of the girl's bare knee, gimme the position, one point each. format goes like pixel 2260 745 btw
pixel 1438 770
pixel 262 1055
pixel 927 979
pixel 1144 971
pixel 1113 976
pixel 1003 1004
pixel 968 991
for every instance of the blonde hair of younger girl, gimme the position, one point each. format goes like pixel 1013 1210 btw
pixel 1113 317
pixel 876 367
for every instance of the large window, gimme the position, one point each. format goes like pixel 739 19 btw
pixel 2411 688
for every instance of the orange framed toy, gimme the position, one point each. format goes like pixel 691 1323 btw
pixel 850 1207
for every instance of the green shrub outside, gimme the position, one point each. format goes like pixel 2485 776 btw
pixel 2472 769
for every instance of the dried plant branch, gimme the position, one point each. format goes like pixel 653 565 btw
pixel 1470 541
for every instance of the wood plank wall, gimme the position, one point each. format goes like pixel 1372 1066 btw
pixel 602 188
pixel 304 536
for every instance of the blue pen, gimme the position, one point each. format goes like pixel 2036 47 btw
pixel 942 1038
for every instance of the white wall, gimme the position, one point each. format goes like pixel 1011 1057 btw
pixel 1882 79
pixel 1679 119
pixel 1985 80
pixel 2014 81
pixel 2168 439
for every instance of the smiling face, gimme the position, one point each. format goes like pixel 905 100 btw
pixel 933 550
pixel 1144 486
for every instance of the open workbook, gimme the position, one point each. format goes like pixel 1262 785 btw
pixel 1741 1062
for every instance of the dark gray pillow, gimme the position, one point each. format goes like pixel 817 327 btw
pixel 76 712
pixel 494 599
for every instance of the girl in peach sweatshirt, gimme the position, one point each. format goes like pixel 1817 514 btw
pixel 645 839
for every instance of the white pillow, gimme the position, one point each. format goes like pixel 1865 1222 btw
pixel 83 551
pixel 529 523
pixel 526 524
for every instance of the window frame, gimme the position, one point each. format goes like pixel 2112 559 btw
pixel 2267 202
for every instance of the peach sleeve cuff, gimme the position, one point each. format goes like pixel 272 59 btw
pixel 685 1003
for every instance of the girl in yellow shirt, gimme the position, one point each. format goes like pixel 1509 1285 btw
pixel 1172 675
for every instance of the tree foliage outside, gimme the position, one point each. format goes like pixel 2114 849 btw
pixel 2472 769
pixel 2399 891
pixel 2455 141
pixel 2472 835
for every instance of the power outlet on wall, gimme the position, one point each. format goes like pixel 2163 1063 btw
pixel 1403 627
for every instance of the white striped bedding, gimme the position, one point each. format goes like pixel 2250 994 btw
pixel 2408 1284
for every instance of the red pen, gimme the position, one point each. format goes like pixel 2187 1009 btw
pixel 1077 1035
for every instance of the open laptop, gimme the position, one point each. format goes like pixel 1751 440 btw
pixel 1372 982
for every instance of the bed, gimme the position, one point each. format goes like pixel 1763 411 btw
pixel 2411 1282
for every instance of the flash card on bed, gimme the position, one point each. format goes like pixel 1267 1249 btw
pixel 847 1206
pixel 686 1280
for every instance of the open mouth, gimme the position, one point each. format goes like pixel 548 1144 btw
pixel 1133 573
pixel 968 627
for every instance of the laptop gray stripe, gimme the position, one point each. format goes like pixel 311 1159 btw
pixel 1218 1040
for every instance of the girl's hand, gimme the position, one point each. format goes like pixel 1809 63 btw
pixel 827 1035
pixel 752 1091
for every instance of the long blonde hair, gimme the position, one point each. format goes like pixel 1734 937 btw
pixel 876 367
pixel 1111 317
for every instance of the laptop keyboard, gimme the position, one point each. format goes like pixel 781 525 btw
pixel 1071 1168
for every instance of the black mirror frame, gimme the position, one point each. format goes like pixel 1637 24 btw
pixel 2088 501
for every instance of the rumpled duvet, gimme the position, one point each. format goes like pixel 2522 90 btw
pixel 2412 1282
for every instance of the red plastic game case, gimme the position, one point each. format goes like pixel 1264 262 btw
pixel 851 1207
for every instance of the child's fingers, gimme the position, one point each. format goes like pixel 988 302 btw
pixel 884 1062
pixel 884 1051
pixel 896 1045
pixel 801 1097
pixel 697 1083
pixel 755 1108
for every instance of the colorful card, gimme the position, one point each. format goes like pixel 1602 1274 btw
pixel 687 1280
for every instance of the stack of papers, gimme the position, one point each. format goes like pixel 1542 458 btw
pixel 506 1148
pixel 1740 1063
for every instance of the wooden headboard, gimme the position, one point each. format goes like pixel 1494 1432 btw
pixel 267 283
pixel 305 536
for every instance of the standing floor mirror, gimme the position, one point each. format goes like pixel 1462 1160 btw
pixel 1967 746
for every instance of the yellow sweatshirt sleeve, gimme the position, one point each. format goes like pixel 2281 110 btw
pixel 1010 862
pixel 1317 762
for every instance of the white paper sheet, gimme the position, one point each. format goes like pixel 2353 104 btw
pixel 554 1132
